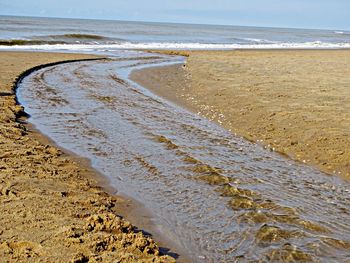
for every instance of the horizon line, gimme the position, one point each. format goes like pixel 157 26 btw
pixel 184 23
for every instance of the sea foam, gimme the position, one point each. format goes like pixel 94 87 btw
pixel 170 45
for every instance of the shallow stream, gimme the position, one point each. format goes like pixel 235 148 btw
pixel 219 197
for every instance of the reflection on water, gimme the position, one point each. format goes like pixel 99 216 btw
pixel 216 195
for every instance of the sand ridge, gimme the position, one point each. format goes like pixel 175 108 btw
pixel 52 207
pixel 295 102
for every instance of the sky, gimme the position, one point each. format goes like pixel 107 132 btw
pixel 327 14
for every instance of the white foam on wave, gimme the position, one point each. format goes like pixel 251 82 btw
pixel 257 40
pixel 155 45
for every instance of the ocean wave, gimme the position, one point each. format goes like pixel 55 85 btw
pixel 168 45
pixel 79 36
pixel 256 40
pixel 342 33
pixel 73 37
pixel 61 39
pixel 23 42
pixel 248 40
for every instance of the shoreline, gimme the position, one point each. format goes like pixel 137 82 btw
pixel 80 233
pixel 240 91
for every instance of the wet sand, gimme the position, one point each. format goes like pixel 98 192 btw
pixel 53 207
pixel 295 102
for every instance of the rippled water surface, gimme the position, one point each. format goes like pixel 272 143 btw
pixel 218 196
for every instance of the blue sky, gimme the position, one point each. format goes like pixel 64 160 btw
pixel 330 14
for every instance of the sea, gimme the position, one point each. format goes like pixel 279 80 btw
pixel 212 195
pixel 83 34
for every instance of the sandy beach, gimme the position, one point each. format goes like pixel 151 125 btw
pixel 53 207
pixel 295 102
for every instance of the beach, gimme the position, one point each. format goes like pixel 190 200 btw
pixel 195 178
pixel 54 207
pixel 156 142
pixel 294 102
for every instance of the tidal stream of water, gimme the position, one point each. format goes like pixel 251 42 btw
pixel 221 198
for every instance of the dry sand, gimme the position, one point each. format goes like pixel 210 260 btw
pixel 296 102
pixel 52 207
